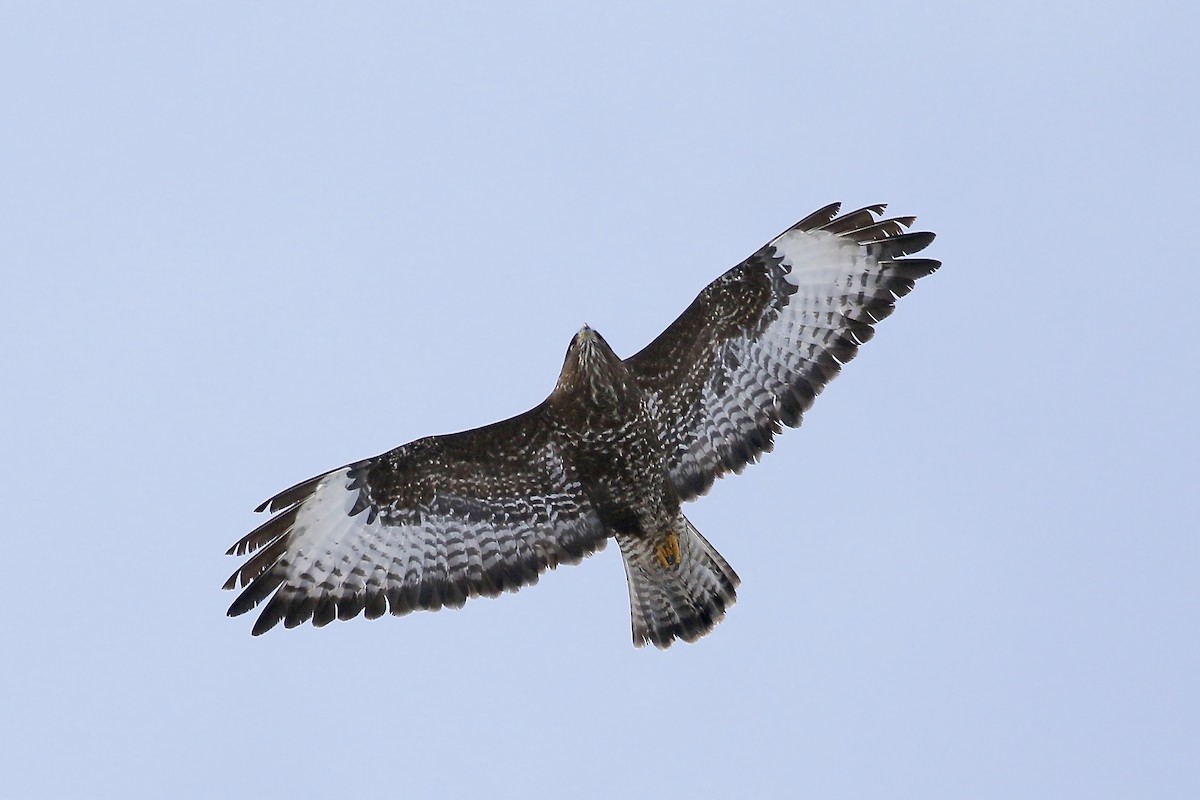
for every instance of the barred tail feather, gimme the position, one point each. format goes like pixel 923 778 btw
pixel 678 588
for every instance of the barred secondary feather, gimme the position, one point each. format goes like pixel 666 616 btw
pixel 611 453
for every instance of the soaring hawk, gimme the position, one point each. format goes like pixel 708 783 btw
pixel 613 452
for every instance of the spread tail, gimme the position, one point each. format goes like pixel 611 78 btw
pixel 679 586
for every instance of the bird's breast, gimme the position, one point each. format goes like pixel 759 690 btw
pixel 621 466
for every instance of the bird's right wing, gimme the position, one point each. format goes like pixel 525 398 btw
pixel 426 525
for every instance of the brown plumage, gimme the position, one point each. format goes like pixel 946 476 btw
pixel 612 452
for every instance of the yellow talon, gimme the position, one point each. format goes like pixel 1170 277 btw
pixel 667 551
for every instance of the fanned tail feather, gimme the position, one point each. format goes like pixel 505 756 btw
pixel 680 600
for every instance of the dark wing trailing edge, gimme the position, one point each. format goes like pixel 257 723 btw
pixel 429 524
pixel 760 342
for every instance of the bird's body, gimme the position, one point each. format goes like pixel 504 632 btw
pixel 613 452
pixel 609 427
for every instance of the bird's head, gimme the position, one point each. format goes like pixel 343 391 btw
pixel 591 368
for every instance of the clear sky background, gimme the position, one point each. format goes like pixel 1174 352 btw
pixel 245 243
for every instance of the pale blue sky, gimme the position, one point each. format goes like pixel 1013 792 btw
pixel 245 243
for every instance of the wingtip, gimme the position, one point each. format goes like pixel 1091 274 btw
pixel 263 624
pixel 820 217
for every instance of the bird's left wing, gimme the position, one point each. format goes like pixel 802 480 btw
pixel 426 525
pixel 761 341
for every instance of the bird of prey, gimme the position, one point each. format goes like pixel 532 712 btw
pixel 613 452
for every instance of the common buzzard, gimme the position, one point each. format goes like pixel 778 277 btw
pixel 613 452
